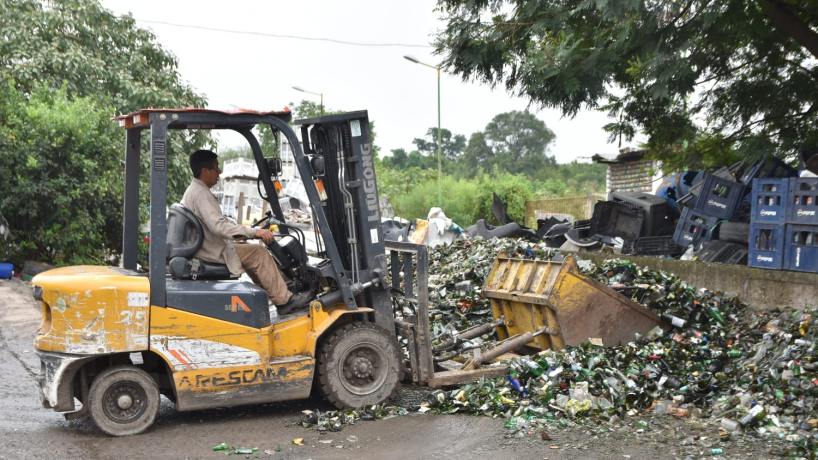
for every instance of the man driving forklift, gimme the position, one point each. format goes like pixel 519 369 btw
pixel 117 338
pixel 220 233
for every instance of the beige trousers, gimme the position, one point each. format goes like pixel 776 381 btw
pixel 263 270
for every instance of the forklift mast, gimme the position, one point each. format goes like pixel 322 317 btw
pixel 338 150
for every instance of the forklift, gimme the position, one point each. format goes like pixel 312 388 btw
pixel 117 338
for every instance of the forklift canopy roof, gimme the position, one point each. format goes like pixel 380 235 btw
pixel 231 118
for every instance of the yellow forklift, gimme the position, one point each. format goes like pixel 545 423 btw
pixel 115 339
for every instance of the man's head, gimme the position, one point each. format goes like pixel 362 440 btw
pixel 205 166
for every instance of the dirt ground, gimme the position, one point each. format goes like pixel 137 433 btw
pixel 29 431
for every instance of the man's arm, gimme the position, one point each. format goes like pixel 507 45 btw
pixel 212 217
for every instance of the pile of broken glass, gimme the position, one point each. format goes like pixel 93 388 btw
pixel 744 370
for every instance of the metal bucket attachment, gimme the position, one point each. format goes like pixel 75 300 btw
pixel 531 295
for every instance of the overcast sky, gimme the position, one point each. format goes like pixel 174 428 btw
pixel 255 71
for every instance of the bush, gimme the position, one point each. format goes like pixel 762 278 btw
pixel 62 185
pixel 460 200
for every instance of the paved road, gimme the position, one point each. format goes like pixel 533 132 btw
pixel 29 431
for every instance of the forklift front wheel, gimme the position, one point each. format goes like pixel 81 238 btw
pixel 123 400
pixel 358 365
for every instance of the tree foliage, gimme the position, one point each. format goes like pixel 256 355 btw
pixel 74 56
pixel 509 157
pixel 451 145
pixel 704 80
pixel 63 193
pixel 79 44
pixel 518 141
pixel 412 193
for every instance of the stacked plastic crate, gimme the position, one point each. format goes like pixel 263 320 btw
pixel 801 232
pixel 717 201
pixel 768 217
pixel 784 224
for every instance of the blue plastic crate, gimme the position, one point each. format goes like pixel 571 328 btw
pixel 802 208
pixel 769 201
pixel 719 197
pixel 766 246
pixel 801 248
pixel 693 227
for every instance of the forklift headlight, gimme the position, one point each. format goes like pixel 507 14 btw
pixel 37 292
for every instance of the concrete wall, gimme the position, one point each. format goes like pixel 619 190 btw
pixel 762 289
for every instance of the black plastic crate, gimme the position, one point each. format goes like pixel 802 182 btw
pixel 801 248
pixel 768 168
pixel 660 216
pixel 694 227
pixel 802 208
pixel 766 246
pixel 769 201
pixel 719 197
pixel 617 220
pixel 723 252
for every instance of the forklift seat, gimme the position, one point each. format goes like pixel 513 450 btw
pixel 185 236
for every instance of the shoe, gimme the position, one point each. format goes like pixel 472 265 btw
pixel 300 300
pixel 273 310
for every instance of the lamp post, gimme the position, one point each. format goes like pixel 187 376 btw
pixel 321 95
pixel 439 141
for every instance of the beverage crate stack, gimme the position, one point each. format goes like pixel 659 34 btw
pixel 717 200
pixel 784 224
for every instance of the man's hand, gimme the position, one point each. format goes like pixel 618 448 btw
pixel 265 235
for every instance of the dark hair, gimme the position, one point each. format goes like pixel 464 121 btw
pixel 201 159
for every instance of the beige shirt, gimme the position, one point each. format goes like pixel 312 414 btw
pixel 219 231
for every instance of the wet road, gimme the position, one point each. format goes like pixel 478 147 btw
pixel 29 431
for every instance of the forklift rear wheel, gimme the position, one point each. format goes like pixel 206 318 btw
pixel 358 365
pixel 123 400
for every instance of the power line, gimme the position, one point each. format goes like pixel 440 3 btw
pixel 293 37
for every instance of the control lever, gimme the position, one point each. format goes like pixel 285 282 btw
pixel 266 216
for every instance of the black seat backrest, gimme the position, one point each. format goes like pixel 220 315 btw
pixel 185 236
pixel 185 233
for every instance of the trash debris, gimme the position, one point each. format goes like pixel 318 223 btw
pixel 298 441
pixel 227 449
pixel 336 420
pixel 719 362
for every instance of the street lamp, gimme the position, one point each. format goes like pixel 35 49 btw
pixel 321 95
pixel 439 146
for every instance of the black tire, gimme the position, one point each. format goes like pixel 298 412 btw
pixel 118 386
pixel 735 232
pixel 358 365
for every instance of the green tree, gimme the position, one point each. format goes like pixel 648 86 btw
pixel 310 109
pixel 702 79
pixel 518 142
pixel 268 141
pixel 451 145
pixel 476 156
pixel 398 159
pixel 61 188
pixel 92 51
pixel 100 62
